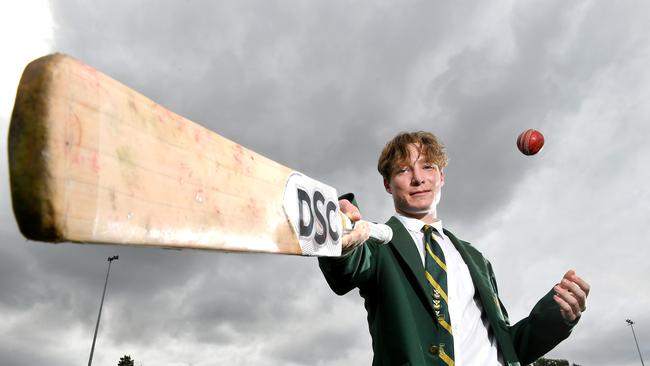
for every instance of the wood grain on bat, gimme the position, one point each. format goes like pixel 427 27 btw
pixel 94 161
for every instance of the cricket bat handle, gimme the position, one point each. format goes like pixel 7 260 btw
pixel 380 232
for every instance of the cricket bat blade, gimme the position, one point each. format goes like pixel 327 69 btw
pixel 93 161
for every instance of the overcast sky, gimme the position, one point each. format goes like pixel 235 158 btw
pixel 320 87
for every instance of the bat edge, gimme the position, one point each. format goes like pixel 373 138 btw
pixel 27 146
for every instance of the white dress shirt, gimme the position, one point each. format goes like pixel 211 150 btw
pixel 474 344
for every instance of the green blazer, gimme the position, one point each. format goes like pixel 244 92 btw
pixel 401 319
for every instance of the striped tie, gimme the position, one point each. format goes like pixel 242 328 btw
pixel 436 274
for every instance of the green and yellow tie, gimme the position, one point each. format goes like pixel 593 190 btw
pixel 435 270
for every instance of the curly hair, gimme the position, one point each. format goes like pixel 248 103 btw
pixel 396 153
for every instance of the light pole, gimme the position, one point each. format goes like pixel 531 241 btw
pixel 631 324
pixel 101 304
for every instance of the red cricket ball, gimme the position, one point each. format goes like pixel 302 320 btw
pixel 530 142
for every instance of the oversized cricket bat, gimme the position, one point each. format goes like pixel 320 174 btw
pixel 93 161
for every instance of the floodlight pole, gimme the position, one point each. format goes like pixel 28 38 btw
pixel 101 304
pixel 631 324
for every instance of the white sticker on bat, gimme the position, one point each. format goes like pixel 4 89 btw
pixel 313 210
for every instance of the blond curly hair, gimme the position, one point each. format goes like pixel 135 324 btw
pixel 396 154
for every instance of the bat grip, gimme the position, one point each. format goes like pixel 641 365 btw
pixel 380 232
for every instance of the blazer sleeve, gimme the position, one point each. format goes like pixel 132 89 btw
pixel 354 269
pixel 538 333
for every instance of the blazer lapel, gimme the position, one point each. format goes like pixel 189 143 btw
pixel 402 243
pixel 481 279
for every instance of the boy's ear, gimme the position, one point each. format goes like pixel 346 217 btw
pixel 387 186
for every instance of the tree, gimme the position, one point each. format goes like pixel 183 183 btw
pixel 549 362
pixel 126 361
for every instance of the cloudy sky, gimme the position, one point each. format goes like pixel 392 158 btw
pixel 320 87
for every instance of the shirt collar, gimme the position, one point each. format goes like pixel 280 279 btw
pixel 415 225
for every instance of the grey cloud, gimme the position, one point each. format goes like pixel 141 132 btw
pixel 320 87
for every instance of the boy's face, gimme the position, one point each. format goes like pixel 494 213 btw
pixel 415 186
